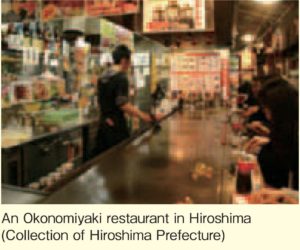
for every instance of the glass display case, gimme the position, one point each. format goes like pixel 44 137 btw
pixel 49 90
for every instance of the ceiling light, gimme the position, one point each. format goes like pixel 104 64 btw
pixel 259 45
pixel 248 38
pixel 267 1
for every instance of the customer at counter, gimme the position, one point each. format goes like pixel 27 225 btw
pixel 244 92
pixel 114 101
pixel 252 100
pixel 275 196
pixel 257 122
pixel 278 157
pixel 181 102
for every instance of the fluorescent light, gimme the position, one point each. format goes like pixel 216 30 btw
pixel 80 43
pixel 267 1
pixel 248 38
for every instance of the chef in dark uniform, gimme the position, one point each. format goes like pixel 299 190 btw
pixel 114 103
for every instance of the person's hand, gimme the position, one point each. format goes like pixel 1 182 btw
pixel 159 116
pixel 271 196
pixel 255 143
pixel 110 122
pixel 259 128
pixel 146 117
pixel 250 111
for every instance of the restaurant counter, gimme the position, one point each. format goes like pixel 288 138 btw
pixel 156 167
pixel 28 157
pixel 16 195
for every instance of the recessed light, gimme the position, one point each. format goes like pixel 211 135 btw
pixel 248 38
pixel 267 1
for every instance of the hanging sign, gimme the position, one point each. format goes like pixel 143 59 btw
pixel 111 7
pixel 195 72
pixel 54 9
pixel 174 15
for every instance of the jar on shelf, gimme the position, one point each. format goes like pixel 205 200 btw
pixel 155 14
pixel 173 10
pixel 190 16
pixel 182 18
pixel 186 17
pixel 161 14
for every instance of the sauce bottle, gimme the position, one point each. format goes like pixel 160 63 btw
pixel 245 166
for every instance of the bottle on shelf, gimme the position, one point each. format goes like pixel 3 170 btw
pixel 14 38
pixel 173 10
pixel 155 14
pixel 26 45
pixel 58 41
pixel 46 36
pixel 35 46
pixel 27 37
pixel 19 37
pixel 39 37
pixel 51 38
pixel 32 52
pixel 186 17
pixel 9 35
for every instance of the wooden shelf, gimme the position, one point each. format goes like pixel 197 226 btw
pixel 10 60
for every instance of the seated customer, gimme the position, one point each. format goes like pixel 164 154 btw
pixel 252 100
pixel 275 196
pixel 255 119
pixel 244 90
pixel 257 127
pixel 278 157
pixel 257 122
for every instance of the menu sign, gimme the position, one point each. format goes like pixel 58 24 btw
pixel 141 59
pixel 52 9
pixel 174 15
pixel 195 72
pixel 111 7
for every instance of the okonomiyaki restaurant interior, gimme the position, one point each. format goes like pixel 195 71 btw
pixel 149 102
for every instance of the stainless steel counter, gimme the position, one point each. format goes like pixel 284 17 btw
pixel 157 169
pixel 15 195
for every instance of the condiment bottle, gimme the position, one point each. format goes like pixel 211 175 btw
pixel 245 166
pixel 10 35
pixel 40 39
